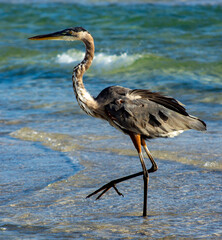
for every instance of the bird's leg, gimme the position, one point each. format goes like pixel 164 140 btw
pixel 146 181
pixel 136 139
pixel 154 165
pixel 137 143
pixel 106 188
pixel 113 183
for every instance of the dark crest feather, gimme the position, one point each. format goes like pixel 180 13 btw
pixel 79 29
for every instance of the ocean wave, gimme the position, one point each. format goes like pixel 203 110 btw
pixel 145 63
pixel 56 141
pixel 67 143
pixel 101 60
pixel 117 2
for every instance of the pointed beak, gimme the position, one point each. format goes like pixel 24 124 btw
pixel 51 36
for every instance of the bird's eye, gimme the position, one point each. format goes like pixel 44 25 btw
pixel 69 32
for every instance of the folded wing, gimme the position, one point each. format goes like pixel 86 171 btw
pixel 151 115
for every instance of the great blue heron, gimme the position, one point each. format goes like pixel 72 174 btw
pixel 139 113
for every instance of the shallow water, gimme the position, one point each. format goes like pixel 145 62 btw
pixel 53 155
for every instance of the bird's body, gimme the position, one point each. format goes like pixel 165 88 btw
pixel 146 113
pixel 139 113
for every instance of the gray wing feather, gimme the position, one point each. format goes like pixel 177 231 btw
pixel 151 115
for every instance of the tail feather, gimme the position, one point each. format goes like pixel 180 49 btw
pixel 197 124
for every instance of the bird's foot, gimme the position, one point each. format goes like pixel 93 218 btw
pixel 104 189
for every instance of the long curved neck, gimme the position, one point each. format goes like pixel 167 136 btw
pixel 85 100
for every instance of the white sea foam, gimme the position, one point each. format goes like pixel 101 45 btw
pixel 101 60
pixel 70 56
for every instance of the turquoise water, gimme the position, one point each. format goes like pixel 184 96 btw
pixel 53 155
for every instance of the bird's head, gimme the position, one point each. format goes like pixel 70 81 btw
pixel 69 34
